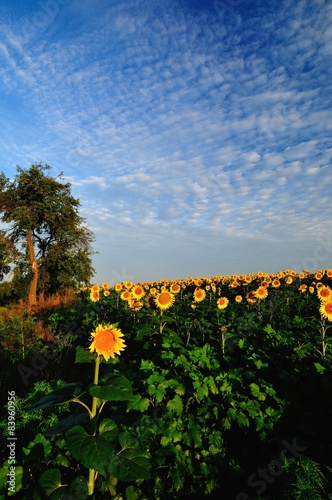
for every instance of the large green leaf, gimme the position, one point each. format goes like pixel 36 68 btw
pixel 175 405
pixel 134 493
pixel 108 429
pixel 78 489
pixel 255 390
pixel 131 462
pixel 67 423
pixel 242 419
pixel 201 389
pixel 62 395
pixel 83 355
pixel 117 388
pixel 39 443
pixel 50 481
pixel 138 403
pixel 193 435
pixel 320 368
pixel 171 335
pixel 93 452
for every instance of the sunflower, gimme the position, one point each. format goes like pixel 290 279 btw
pixel 137 292
pixel 275 283
pixel 105 286
pixel 135 304
pixel 222 302
pixel 107 341
pixel 164 300
pixel 265 283
pixel 199 295
pixel 251 297
pixel 118 287
pixel 238 298
pixel 94 296
pixel 303 288
pixel 319 274
pixel 125 295
pixel 95 288
pixel 324 293
pixel 106 293
pixel 128 284
pixel 261 293
pixel 289 280
pixel 326 309
pixel 329 273
pixel 175 288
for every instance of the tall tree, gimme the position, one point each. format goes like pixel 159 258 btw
pixel 46 223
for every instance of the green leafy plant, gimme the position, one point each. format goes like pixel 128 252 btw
pixel 304 479
pixel 99 446
pixel 202 398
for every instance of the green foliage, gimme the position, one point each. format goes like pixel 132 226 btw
pixel 5 293
pixel 115 388
pixel 7 254
pixel 17 334
pixel 38 420
pixel 200 401
pixel 304 479
pixel 56 252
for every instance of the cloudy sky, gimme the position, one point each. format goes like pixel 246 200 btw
pixel 196 133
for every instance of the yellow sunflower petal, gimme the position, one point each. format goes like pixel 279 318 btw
pixel 107 341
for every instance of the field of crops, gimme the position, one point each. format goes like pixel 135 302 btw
pixel 204 387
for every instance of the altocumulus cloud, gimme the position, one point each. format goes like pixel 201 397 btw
pixel 197 135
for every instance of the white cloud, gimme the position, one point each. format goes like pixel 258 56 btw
pixel 179 125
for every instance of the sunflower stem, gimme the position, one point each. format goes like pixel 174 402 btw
pixel 323 331
pixel 92 472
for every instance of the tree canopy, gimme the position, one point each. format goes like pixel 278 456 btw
pixel 53 243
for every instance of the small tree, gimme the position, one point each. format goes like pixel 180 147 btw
pixel 46 224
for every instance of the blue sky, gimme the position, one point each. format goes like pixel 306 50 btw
pixel 196 134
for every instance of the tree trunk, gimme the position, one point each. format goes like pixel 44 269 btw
pixel 32 296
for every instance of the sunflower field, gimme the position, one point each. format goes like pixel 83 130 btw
pixel 213 387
